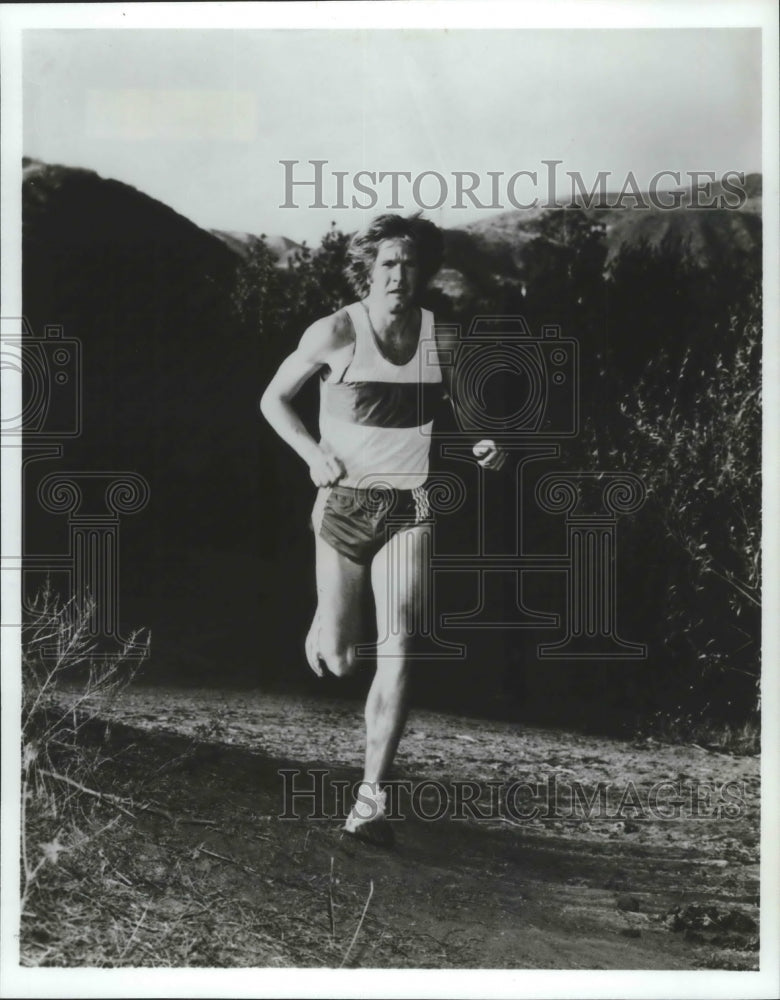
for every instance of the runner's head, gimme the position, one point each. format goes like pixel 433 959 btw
pixel 413 237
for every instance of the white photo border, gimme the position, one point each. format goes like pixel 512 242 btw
pixel 24 982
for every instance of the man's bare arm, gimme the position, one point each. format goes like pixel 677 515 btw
pixel 321 341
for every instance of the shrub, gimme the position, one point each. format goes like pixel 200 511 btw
pixel 63 674
pixel 694 436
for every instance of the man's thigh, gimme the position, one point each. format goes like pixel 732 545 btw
pixel 342 590
pixel 400 579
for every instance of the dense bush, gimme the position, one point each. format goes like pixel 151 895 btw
pixel 276 303
pixel 693 434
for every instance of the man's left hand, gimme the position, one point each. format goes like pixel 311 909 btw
pixel 489 455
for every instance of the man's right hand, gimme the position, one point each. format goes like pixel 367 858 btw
pixel 326 469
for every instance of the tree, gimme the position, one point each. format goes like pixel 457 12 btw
pixel 278 303
pixel 563 269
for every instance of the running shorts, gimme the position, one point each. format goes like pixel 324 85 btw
pixel 357 523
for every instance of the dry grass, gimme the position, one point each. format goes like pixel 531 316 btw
pixel 117 899
pixel 166 889
pixel 679 730
pixel 112 877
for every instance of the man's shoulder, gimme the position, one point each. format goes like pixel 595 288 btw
pixel 329 333
pixel 341 327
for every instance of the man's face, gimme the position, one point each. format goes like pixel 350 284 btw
pixel 395 274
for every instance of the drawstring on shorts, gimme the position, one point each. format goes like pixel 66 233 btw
pixel 422 509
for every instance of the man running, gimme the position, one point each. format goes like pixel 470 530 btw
pixel 380 378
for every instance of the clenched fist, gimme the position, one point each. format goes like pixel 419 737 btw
pixel 489 454
pixel 326 469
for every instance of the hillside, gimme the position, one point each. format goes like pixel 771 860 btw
pixel 503 241
pixel 242 244
pixel 493 252
pixel 170 387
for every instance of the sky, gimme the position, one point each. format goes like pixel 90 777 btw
pixel 200 119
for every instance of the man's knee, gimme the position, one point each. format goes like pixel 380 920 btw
pixel 340 660
pixel 393 667
pixel 396 647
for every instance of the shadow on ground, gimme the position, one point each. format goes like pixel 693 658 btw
pixel 198 867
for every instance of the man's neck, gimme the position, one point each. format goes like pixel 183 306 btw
pixel 385 319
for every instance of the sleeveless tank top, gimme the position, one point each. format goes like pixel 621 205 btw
pixel 378 416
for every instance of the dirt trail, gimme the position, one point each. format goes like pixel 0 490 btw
pixel 558 887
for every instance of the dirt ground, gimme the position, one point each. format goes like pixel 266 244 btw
pixel 526 882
